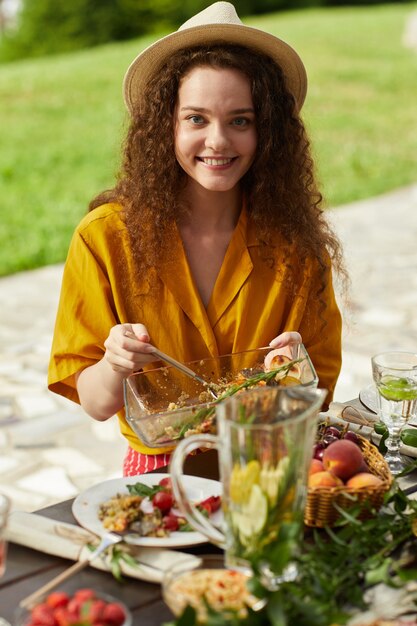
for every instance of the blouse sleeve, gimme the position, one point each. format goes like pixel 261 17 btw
pixel 321 330
pixel 86 312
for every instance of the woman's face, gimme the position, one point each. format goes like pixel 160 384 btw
pixel 215 134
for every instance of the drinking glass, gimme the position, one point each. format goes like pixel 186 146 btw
pixel 4 511
pixel 265 439
pixel 395 377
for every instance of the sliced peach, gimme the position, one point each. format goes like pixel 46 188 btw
pixel 275 359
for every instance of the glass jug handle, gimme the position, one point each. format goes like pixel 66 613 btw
pixel 193 516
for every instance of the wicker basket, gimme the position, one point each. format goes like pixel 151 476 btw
pixel 320 512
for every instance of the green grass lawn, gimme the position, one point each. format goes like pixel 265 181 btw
pixel 63 119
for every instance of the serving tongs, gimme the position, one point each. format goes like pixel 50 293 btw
pixel 187 371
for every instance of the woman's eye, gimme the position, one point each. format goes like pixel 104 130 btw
pixel 241 121
pixel 196 119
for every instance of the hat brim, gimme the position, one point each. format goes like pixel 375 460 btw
pixel 154 57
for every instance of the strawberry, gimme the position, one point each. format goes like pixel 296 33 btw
pixel 92 611
pixel 213 502
pixel 74 606
pixel 205 506
pixel 114 614
pixel 85 594
pixel 64 617
pixel 57 599
pixel 43 615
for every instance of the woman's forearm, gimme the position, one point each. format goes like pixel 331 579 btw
pixel 100 386
pixel 100 389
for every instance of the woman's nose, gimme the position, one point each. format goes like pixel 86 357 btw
pixel 217 138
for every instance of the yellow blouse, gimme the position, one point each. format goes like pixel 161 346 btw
pixel 249 305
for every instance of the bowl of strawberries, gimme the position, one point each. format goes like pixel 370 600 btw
pixel 84 607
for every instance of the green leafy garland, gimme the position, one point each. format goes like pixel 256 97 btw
pixel 335 568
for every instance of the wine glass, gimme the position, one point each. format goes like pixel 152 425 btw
pixel 395 377
pixel 4 512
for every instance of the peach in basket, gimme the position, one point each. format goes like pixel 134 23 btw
pixel 347 472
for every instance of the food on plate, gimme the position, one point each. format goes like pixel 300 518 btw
pixel 149 511
pixel 84 607
pixel 220 589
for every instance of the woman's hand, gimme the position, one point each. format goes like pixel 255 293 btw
pixel 286 339
pixel 128 348
pixel 282 344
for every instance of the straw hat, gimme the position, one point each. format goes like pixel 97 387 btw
pixel 218 23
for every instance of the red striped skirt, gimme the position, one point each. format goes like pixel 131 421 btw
pixel 136 463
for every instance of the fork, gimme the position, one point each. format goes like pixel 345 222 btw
pixel 107 540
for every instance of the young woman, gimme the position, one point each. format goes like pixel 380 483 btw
pixel 213 240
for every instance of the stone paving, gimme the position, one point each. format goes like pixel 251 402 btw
pixel 50 449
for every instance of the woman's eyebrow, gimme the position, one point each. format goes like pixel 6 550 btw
pixel 203 110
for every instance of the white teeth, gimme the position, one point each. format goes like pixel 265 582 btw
pixel 208 161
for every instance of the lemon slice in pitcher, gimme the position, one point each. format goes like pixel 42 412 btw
pixel 242 479
pixel 251 519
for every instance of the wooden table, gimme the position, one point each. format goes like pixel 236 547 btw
pixel 28 570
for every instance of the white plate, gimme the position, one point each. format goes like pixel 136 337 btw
pixel 86 506
pixel 367 396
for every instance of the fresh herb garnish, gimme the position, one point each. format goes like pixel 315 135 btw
pixel 145 491
pixel 252 381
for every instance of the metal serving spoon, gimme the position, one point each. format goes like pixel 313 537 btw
pixel 181 367
pixel 185 370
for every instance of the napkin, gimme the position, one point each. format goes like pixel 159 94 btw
pixel 353 413
pixel 70 542
pixel 360 420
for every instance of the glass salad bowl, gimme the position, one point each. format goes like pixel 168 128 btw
pixel 164 405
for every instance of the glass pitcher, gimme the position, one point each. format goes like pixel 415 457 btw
pixel 265 439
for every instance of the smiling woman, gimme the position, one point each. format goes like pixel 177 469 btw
pixel 213 240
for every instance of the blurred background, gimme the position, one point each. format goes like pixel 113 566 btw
pixel 62 124
pixel 63 118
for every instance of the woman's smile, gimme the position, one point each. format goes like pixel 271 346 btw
pixel 217 161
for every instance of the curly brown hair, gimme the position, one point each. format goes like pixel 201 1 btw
pixel 280 189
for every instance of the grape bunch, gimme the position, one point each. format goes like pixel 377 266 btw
pixel 330 434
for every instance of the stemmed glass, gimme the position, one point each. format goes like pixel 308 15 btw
pixel 4 512
pixel 395 377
